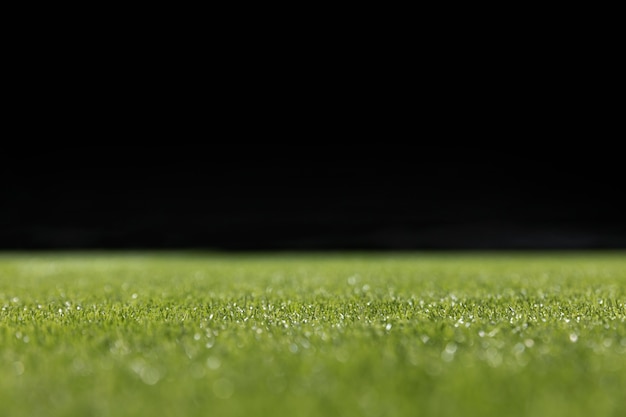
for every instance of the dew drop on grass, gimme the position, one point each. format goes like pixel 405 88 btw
pixel 213 363
pixel 494 358
pixel 150 375
pixel 342 356
pixel 448 353
pixel 223 388
pixel 19 367
pixel 197 371
pixel 518 348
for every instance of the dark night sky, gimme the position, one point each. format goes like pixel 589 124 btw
pixel 235 196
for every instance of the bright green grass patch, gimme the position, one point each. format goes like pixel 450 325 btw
pixel 424 334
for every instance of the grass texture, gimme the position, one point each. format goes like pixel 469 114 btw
pixel 346 334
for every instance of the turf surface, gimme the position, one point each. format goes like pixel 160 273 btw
pixel 369 334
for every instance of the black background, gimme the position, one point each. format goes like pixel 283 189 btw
pixel 310 195
pixel 368 135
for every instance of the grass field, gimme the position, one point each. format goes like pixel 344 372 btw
pixel 407 334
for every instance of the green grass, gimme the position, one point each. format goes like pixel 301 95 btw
pixel 415 334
